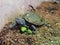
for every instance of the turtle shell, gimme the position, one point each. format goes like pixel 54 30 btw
pixel 34 18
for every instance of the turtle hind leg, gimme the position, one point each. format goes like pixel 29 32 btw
pixel 33 28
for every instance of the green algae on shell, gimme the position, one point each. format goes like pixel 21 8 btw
pixel 34 18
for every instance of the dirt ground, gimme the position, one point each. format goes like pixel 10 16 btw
pixel 46 35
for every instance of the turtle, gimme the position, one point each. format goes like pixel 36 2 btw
pixel 29 20
pixel 34 18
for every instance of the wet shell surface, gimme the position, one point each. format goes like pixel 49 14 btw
pixel 34 18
